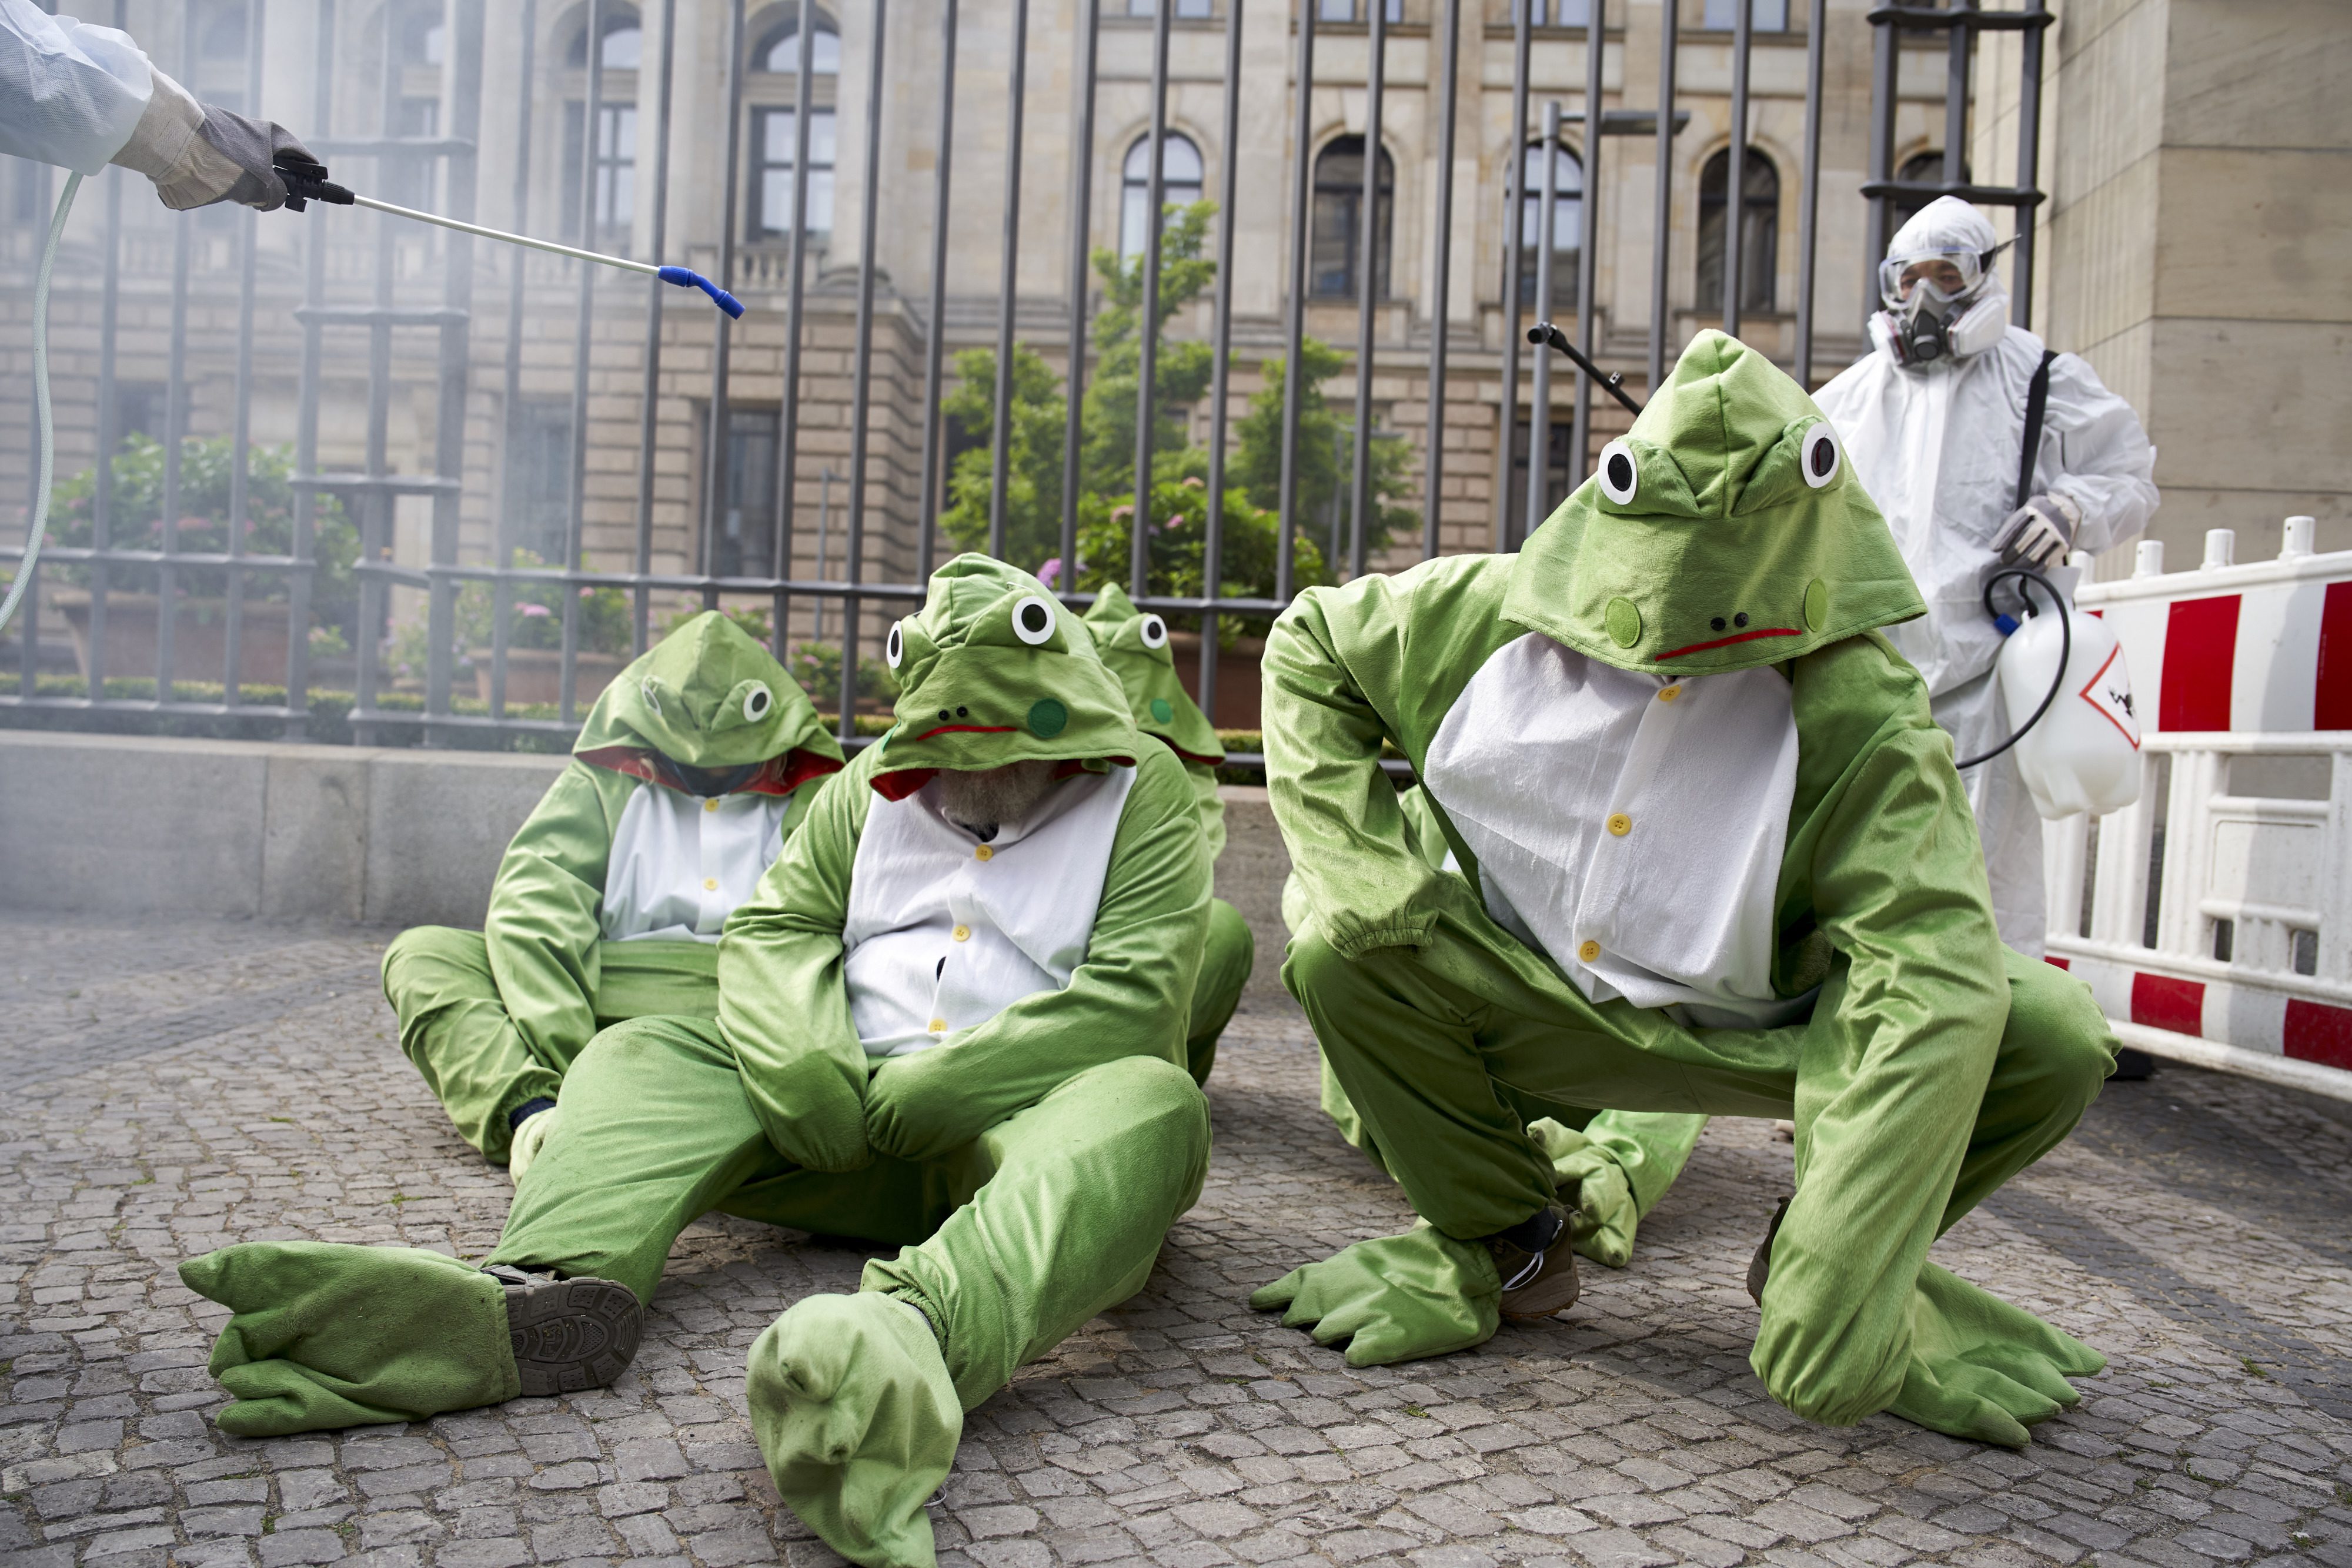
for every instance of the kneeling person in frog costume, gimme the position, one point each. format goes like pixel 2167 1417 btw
pixel 1718 860
pixel 952 1018
pixel 693 767
pixel 1134 646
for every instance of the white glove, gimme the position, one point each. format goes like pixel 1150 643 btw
pixel 198 156
pixel 2040 532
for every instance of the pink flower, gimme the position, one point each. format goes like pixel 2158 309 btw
pixel 586 592
pixel 1121 513
pixel 534 609
pixel 1194 481
pixel 1050 572
pixel 1172 524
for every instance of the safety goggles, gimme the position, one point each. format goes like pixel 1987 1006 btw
pixel 1944 274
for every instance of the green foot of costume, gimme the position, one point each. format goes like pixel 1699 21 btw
pixel 1394 1298
pixel 858 1419
pixel 1983 1369
pixel 326 1336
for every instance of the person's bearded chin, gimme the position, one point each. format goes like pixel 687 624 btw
pixel 985 800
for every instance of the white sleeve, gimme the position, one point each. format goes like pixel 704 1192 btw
pixel 2095 453
pixel 70 93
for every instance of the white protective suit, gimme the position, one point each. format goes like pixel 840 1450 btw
pixel 81 96
pixel 1939 447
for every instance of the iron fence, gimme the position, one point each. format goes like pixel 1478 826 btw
pixel 357 287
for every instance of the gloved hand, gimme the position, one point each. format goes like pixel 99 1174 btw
pixel 1394 1298
pixel 198 154
pixel 2040 532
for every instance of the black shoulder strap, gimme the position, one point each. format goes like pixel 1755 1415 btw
pixel 2037 403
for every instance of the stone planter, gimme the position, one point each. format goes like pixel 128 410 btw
pixel 1239 689
pixel 536 675
pixel 199 637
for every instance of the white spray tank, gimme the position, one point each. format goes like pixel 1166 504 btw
pixel 2083 755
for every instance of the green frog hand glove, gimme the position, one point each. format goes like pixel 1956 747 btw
pixel 1601 1215
pixel 1982 1369
pixel 1394 1298
pixel 919 1107
pixel 326 1336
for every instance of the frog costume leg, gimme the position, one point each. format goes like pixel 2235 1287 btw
pixel 1454 1077
pixel 1226 959
pixel 454 1027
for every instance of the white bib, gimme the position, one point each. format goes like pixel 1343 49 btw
pixel 944 932
pixel 680 863
pixel 1631 827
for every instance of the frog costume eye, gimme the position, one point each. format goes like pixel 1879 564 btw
pixel 1032 620
pixel 1154 632
pixel 757 702
pixel 1821 456
pixel 1621 473
pixel 893 648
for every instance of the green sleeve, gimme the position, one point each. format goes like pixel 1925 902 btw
pixel 545 905
pixel 1131 997
pixel 784 1006
pixel 1901 1042
pixel 1212 805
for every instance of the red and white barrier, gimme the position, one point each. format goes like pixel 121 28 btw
pixel 2243 670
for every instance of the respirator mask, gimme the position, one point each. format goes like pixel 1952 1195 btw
pixel 1940 305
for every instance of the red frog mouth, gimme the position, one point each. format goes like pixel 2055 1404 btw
pixel 1728 642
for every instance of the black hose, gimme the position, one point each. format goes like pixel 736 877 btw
pixel 2065 649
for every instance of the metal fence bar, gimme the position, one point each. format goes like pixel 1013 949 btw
pixel 1959 44
pixel 861 393
pixel 1082 155
pixel 376 500
pixel 175 420
pixel 1146 326
pixel 1884 66
pixel 1441 284
pixel 501 530
pixel 28 680
pixel 2029 169
pixel 1809 204
pixel 1661 211
pixel 650 401
pixel 1294 328
pixel 927 510
pixel 1369 251
pixel 714 477
pixel 1213 542
pixel 241 431
pixel 306 421
pixel 1514 240
pixel 1539 401
pixel 592 126
pixel 463 79
pixel 1008 273
pixel 1587 238
pixel 788 418
pixel 1735 185
pixel 109 437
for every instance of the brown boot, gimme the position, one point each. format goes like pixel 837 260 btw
pixel 1759 1268
pixel 1538 1266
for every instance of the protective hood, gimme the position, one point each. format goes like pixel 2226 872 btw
pixel 1946 223
pixel 1134 647
pixel 1724 531
pixel 994 670
pixel 708 696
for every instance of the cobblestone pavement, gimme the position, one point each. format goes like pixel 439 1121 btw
pixel 175 1088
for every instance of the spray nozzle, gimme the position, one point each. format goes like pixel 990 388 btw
pixel 686 278
pixel 306 182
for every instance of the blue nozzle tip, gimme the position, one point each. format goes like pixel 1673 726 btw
pixel 686 278
pixel 2005 624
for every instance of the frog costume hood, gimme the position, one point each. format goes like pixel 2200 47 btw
pixel 1724 531
pixel 1134 646
pixel 710 697
pixel 994 670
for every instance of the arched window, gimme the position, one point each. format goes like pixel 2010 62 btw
pixel 623 45
pixel 1567 224
pixel 1760 230
pixel 779 51
pixel 1339 230
pixel 1922 168
pixel 1180 185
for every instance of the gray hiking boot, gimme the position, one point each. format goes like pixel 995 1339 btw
pixel 567 1334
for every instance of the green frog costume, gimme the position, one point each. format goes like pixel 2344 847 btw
pixel 693 767
pixel 1717 860
pixel 1134 645
pixel 970 1046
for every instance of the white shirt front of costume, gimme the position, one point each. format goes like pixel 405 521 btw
pixel 944 932
pixel 1628 826
pixel 681 862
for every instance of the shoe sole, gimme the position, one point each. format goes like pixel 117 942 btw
pixel 1545 1298
pixel 572 1334
pixel 1759 1267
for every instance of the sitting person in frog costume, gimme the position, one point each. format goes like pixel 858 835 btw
pixel 952 1017
pixel 1134 646
pixel 1717 860
pixel 693 768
